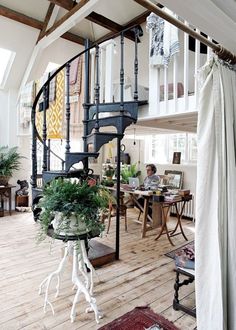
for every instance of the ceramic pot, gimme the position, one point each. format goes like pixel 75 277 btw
pixel 4 180
pixel 70 226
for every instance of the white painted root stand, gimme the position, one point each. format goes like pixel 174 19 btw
pixel 80 261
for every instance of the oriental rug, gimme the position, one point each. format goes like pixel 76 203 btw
pixel 140 318
pixel 177 252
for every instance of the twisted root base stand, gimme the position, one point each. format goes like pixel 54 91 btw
pixel 99 254
pixel 85 286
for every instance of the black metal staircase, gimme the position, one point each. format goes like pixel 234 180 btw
pixel 118 115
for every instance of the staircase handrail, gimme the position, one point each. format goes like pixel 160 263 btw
pixel 94 45
pixel 73 58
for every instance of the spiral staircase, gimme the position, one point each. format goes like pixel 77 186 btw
pixel 97 115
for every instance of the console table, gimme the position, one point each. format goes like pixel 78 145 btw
pixel 166 206
pixel 74 245
pixel 190 274
pixel 6 192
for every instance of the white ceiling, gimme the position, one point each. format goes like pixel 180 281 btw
pixel 186 122
pixel 214 17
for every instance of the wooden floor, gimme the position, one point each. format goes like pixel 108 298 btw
pixel 142 276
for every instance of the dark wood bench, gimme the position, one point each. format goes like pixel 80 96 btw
pixel 190 274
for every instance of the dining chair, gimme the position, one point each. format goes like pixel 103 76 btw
pixel 112 213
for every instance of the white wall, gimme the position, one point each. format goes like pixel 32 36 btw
pixel 21 40
pixel 58 52
pixel 8 135
pixel 137 156
pixel 143 50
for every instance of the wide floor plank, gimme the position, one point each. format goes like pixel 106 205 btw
pixel 142 276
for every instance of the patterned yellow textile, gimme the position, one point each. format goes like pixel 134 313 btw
pixel 55 112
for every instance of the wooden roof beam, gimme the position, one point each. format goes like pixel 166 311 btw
pixel 34 23
pixel 46 20
pixel 108 24
pixel 66 4
pixel 67 17
pixel 135 21
pixel 21 18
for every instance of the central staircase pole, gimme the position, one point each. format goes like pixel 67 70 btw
pixel 86 99
pixel 67 108
pixel 118 201
pixel 44 133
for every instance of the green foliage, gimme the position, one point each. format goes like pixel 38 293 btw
pixel 107 183
pixel 129 171
pixel 9 160
pixel 73 199
pixel 109 171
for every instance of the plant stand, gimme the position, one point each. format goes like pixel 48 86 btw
pixel 81 263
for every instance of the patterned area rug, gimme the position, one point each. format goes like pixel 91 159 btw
pixel 140 318
pixel 176 252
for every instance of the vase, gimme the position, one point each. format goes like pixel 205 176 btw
pixel 71 226
pixel 4 180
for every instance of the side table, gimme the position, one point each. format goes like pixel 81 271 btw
pixel 190 274
pixel 74 245
pixel 5 192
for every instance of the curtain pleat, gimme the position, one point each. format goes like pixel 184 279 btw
pixel 216 200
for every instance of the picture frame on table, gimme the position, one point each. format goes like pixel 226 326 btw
pixel 175 179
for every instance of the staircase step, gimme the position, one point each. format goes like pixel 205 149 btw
pixel 98 139
pixel 121 122
pixel 130 107
pixel 50 175
pixel 76 157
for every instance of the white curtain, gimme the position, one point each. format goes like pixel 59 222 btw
pixel 216 200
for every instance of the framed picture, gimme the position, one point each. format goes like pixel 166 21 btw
pixel 175 179
pixel 176 157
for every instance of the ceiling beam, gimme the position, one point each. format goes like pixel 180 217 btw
pixel 108 24
pixel 16 16
pixel 75 16
pixel 34 23
pixel 135 21
pixel 74 38
pixel 67 16
pixel 46 20
pixel 66 4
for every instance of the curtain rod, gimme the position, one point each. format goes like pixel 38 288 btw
pixel 219 50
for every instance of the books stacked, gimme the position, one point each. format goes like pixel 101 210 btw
pixel 184 192
pixel 173 198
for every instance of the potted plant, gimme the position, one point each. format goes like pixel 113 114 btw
pixel 129 171
pixel 72 208
pixel 109 172
pixel 9 162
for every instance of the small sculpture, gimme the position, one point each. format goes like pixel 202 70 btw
pixel 23 191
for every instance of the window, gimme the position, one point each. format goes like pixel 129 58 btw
pixel 7 58
pixel 177 142
pixel 160 147
pixel 192 147
pixel 51 67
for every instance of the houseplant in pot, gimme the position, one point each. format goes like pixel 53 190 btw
pixel 129 171
pixel 109 172
pixel 72 208
pixel 9 162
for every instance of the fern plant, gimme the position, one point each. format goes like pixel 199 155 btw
pixel 129 171
pixel 78 201
pixel 9 161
